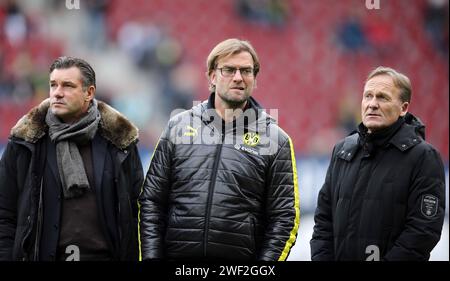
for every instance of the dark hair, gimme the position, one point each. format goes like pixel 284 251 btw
pixel 87 72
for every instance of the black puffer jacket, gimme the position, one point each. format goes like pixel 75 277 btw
pixel 381 203
pixel 209 195
pixel 31 212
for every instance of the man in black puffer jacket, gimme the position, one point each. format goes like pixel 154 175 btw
pixel 222 183
pixel 384 193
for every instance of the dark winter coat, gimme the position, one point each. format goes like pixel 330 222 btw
pixel 210 195
pixel 385 203
pixel 30 211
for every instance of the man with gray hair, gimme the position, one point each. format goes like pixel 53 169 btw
pixel 384 192
pixel 70 176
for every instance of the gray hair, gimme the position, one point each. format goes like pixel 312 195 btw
pixel 401 81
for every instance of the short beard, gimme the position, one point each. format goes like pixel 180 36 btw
pixel 234 103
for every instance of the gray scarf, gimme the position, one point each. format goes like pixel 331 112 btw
pixel 70 164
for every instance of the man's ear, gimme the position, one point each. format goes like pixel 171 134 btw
pixel 90 93
pixel 405 107
pixel 212 78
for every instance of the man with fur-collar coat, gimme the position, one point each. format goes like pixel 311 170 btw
pixel 70 176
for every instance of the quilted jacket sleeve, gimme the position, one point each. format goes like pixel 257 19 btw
pixel 426 211
pixel 282 205
pixel 153 200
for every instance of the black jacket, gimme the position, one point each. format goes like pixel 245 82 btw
pixel 211 195
pixel 30 210
pixel 381 200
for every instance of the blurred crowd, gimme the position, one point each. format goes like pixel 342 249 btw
pixel 149 57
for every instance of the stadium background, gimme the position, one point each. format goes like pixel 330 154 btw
pixel 150 59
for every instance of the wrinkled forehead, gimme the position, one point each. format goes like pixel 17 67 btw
pixel 383 83
pixel 66 74
pixel 242 56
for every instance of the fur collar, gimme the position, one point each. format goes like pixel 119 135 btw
pixel 114 126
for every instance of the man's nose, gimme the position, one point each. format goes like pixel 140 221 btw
pixel 373 103
pixel 57 92
pixel 237 75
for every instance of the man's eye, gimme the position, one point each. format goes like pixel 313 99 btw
pixel 228 69
pixel 246 71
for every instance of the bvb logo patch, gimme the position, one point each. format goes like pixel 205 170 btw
pixel 429 205
pixel 251 139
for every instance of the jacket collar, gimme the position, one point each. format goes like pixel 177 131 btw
pixel 113 125
pixel 208 114
pixel 411 133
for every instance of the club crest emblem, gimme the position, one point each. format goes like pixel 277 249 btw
pixel 429 205
pixel 251 139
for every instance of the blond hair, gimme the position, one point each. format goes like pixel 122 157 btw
pixel 227 48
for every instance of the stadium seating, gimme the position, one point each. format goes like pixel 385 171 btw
pixel 305 73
